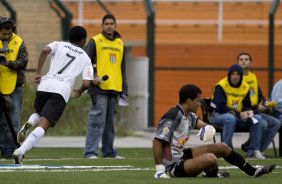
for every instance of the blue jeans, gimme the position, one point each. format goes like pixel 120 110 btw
pixel 277 115
pixel 228 122
pixel 255 131
pixel 270 126
pixel 100 125
pixel 7 142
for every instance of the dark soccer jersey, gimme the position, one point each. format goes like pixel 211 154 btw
pixel 174 128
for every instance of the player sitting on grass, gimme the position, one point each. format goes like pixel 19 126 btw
pixel 174 159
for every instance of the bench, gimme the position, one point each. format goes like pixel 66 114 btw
pixel 207 110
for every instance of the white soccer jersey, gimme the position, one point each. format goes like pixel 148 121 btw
pixel 67 62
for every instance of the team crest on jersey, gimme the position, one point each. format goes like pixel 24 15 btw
pixel 235 104
pixel 112 58
pixel 165 130
pixel 252 91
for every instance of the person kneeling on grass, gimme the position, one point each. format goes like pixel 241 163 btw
pixel 68 61
pixel 172 157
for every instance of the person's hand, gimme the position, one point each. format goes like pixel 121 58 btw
pixel 8 102
pixel 97 80
pixel 76 93
pixel 206 133
pixel 160 172
pixel 246 114
pixel 37 78
pixel 262 107
pixel 3 60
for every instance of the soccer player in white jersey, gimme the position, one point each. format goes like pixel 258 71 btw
pixel 172 156
pixel 68 60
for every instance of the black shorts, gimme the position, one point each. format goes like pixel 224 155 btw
pixel 49 105
pixel 176 169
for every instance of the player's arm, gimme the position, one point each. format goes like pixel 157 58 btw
pixel 87 76
pixel 43 55
pixel 157 151
pixel 200 124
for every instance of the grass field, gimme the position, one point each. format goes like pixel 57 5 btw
pixel 65 165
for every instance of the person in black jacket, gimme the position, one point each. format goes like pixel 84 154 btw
pixel 233 108
pixel 12 68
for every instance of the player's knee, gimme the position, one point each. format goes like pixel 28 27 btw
pixel 211 159
pixel 223 146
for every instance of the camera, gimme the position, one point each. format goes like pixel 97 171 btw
pixel 2 59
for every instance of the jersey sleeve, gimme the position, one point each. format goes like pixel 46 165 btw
pixel 165 129
pixel 54 45
pixel 88 73
pixel 194 120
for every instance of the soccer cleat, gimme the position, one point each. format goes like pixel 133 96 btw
pixel 223 174
pixel 18 157
pixel 243 147
pixel 264 170
pixel 220 174
pixel 23 133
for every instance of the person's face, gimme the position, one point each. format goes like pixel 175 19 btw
pixel 244 61
pixel 5 34
pixel 193 105
pixel 109 26
pixel 235 77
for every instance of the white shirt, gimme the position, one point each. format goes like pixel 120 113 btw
pixel 67 62
pixel 276 95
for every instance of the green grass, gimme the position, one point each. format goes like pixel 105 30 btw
pixel 74 119
pixel 139 158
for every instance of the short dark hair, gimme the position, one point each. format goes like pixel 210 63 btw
pixel 7 23
pixel 77 33
pixel 244 53
pixel 108 16
pixel 188 91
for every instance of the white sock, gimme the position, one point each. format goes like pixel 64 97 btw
pixel 34 119
pixel 31 140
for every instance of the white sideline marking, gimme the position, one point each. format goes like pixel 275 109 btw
pixel 72 168
pixel 18 166
pixel 60 168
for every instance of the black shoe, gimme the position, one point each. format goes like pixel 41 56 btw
pixel 223 174
pixel 243 147
pixel 264 170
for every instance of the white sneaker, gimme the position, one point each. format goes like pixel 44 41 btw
pixel 23 133
pixel 92 157
pixel 18 157
pixel 116 157
pixel 257 154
